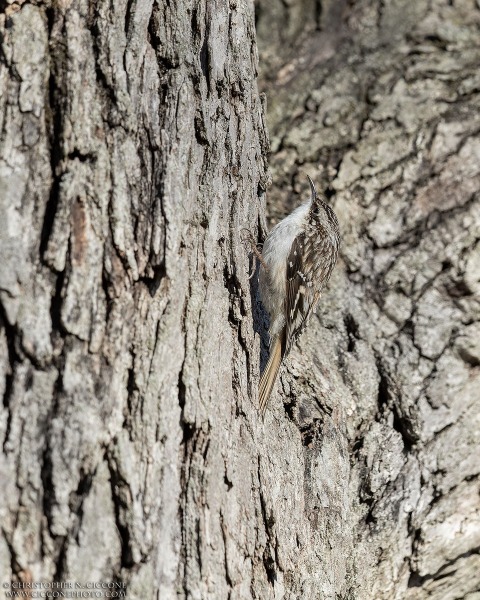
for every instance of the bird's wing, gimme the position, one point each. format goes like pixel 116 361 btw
pixel 309 265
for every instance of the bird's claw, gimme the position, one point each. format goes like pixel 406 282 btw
pixel 249 240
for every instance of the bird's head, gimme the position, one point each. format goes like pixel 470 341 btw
pixel 321 211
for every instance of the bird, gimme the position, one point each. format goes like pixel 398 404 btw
pixel 297 260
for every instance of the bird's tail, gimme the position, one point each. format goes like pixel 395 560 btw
pixel 269 375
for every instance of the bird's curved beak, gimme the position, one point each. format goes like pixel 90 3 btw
pixel 312 188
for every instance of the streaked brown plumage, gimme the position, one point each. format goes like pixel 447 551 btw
pixel 298 258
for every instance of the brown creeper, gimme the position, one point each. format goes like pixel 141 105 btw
pixel 297 260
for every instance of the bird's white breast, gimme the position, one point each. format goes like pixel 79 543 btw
pixel 275 254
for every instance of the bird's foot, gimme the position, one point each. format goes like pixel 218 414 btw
pixel 250 242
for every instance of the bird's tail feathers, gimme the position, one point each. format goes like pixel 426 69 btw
pixel 269 375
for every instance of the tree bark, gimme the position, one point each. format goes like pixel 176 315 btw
pixel 379 103
pixel 132 155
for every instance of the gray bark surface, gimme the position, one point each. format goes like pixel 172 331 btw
pixel 132 145
pixel 379 103
pixel 133 151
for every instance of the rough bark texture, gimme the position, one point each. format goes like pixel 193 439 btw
pixel 132 153
pixel 380 102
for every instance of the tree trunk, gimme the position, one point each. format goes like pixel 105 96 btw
pixel 379 103
pixel 132 155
